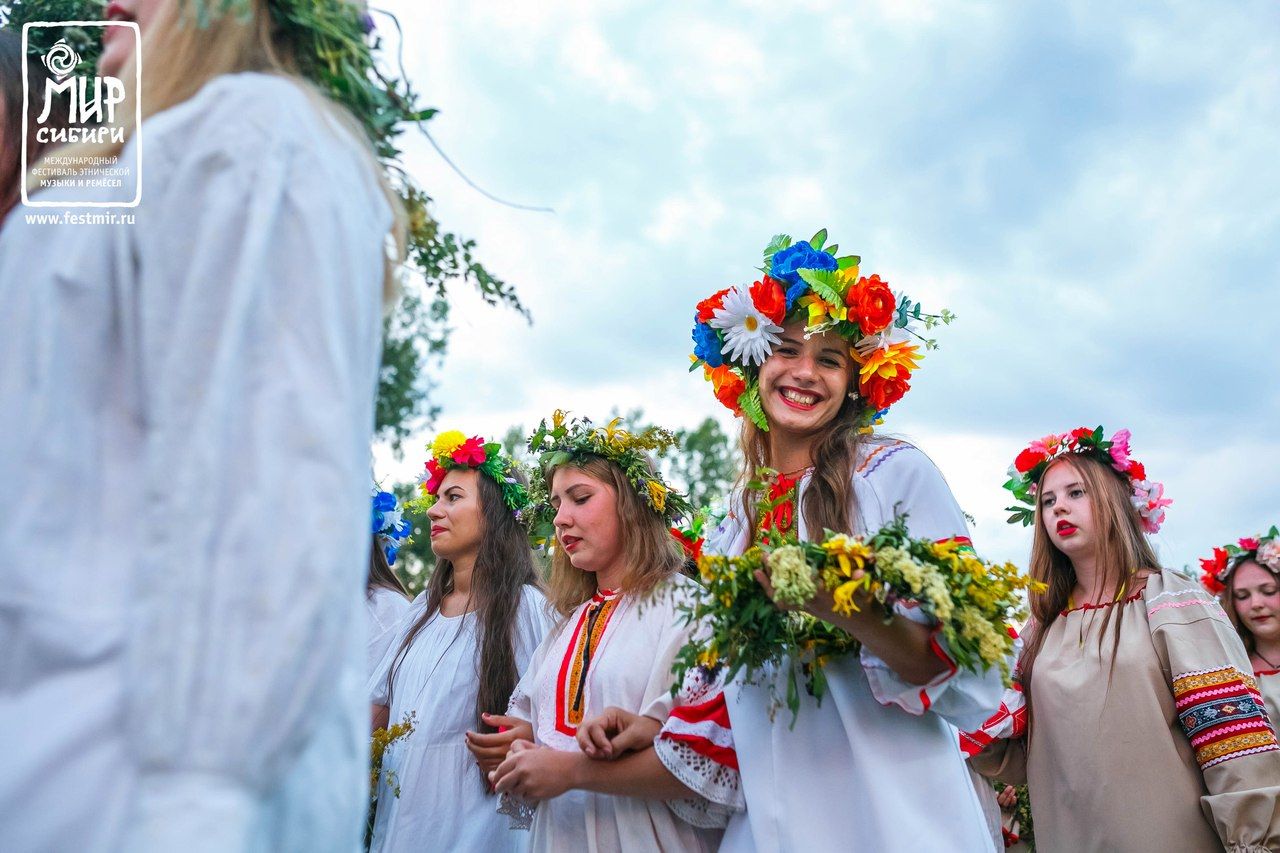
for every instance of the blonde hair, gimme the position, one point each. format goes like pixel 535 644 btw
pixel 651 554
pixel 181 57
pixel 1120 551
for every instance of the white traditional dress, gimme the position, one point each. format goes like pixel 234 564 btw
pixel 384 609
pixel 875 767
pixel 1163 745
pixel 444 801
pixel 184 492
pixel 617 651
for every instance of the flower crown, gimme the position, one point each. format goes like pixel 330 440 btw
pixel 1027 469
pixel 452 450
pixel 1264 549
pixel 390 527
pixel 736 329
pixel 573 439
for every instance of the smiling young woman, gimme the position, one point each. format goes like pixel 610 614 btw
pixel 1126 665
pixel 811 356
pixel 1246 577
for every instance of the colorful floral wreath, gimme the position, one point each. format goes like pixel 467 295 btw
pixel 1027 469
pixel 390 527
pixel 735 329
pixel 452 450
pixel 574 439
pixel 1264 549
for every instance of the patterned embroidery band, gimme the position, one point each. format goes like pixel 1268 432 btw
pixel 1223 715
pixel 571 684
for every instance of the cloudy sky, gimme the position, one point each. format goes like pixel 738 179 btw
pixel 1095 194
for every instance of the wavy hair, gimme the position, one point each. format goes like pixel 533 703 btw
pixel 828 502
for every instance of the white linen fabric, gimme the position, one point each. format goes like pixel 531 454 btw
pixel 875 767
pixel 444 802
pixel 184 487
pixel 630 668
pixel 384 608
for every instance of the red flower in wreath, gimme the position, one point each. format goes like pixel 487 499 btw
pixel 770 299
pixel 1137 470
pixel 1249 544
pixel 470 453
pixel 1212 569
pixel 882 392
pixel 707 307
pixel 1027 460
pixel 873 303
pixel 435 476
pixel 692 546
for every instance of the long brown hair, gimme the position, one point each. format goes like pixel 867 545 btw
pixel 182 57
pixel 652 554
pixel 1120 551
pixel 1227 598
pixel 504 566
pixel 380 573
pixel 828 502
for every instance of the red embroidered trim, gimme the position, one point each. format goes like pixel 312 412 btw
pixel 568 678
pixel 1103 604
pixel 722 755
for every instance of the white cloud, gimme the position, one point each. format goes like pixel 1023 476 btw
pixel 1094 194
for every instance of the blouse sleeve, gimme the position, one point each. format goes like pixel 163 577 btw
pixel 385 608
pixel 258 312
pixel 1220 712
pixel 709 769
pixel 998 749
pixel 897 478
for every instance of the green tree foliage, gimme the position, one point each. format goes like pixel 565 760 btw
pixel 416 335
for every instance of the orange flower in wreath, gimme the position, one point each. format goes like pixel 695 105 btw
pixel 728 386
pixel 884 374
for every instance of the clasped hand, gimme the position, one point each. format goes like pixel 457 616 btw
pixel 534 772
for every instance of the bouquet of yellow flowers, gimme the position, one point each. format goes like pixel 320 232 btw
pixel 974 602
pixel 378 743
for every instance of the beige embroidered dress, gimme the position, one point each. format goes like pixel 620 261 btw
pixel 1163 746
pixel 1269 687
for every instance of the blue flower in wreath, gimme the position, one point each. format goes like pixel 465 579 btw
pixel 788 262
pixel 706 344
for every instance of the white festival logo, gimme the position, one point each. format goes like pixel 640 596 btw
pixel 61 59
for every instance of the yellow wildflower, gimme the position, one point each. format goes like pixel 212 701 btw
pixel 820 310
pixel 445 443
pixel 657 495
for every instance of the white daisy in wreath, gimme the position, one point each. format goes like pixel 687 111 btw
pixel 749 336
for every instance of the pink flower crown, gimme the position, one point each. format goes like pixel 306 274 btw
pixel 1029 466
pixel 1264 549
